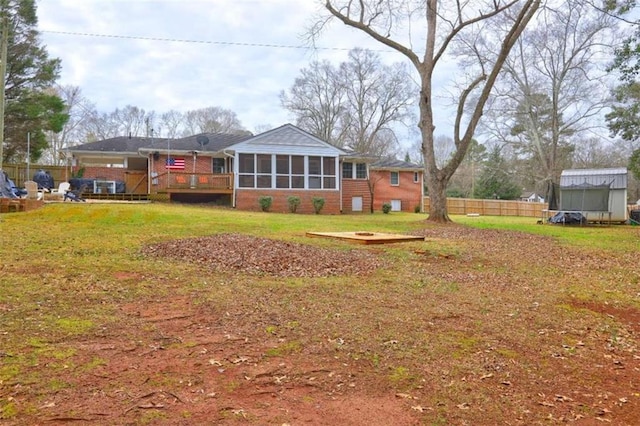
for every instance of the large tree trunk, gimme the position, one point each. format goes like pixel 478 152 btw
pixel 437 199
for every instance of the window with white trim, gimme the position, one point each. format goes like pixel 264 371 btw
pixel 315 172
pixel 328 173
pixel 354 170
pixel 263 169
pixel 395 178
pixel 246 171
pixel 283 171
pixel 416 177
pixel 297 171
pixel 286 171
pixel 347 170
pixel 218 165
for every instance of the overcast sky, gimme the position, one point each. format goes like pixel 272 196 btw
pixel 236 54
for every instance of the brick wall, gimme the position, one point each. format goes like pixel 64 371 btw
pixel 106 173
pixel 408 191
pixel 247 199
pixel 355 188
pixel 203 164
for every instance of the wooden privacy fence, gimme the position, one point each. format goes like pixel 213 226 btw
pixel 18 172
pixel 464 206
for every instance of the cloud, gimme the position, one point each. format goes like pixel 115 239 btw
pixel 188 54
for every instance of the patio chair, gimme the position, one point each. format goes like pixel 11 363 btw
pixel 75 194
pixel 61 190
pixel 33 192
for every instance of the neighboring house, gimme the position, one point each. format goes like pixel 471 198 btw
pixel 531 197
pixel 237 170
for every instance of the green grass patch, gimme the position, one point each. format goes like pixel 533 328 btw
pixel 284 349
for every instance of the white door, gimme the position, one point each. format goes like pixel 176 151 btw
pixel 356 204
pixel 396 205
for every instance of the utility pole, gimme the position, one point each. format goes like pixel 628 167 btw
pixel 3 72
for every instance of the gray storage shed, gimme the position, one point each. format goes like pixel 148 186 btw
pixel 599 194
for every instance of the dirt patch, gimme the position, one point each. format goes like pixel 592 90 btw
pixel 468 327
pixel 237 252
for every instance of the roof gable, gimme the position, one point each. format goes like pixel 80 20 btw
pixel 285 138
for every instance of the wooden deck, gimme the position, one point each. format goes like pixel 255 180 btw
pixel 366 237
pixel 116 197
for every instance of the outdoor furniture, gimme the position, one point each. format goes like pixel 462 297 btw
pixel 75 194
pixel 61 190
pixel 33 192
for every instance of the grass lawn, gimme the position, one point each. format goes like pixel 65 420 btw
pixel 491 320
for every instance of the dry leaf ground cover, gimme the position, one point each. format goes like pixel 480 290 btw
pixel 161 314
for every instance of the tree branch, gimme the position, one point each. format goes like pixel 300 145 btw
pixel 366 28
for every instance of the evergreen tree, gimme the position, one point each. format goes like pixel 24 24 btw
pixel 494 180
pixel 29 107
pixel 625 114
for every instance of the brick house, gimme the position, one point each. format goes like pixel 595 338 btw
pixel 237 170
pixel 398 183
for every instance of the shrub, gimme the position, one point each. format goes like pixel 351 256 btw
pixel 318 204
pixel 386 208
pixel 416 209
pixel 294 202
pixel 79 174
pixel 265 202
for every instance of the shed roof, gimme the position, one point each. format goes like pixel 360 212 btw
pixel 616 177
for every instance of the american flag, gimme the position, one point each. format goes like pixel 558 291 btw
pixel 174 164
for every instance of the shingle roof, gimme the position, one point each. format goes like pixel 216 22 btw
pixel 214 142
pixel 118 144
pixel 392 163
pixel 205 142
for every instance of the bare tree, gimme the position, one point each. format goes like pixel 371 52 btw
pixel 316 101
pixel 79 110
pixel 387 21
pixel 169 124
pixel 261 128
pixel 133 121
pixel 128 121
pixel 592 153
pixel 100 125
pixel 553 88
pixel 356 104
pixel 377 98
pixel 211 120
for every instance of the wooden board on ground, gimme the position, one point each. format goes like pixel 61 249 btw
pixel 366 237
